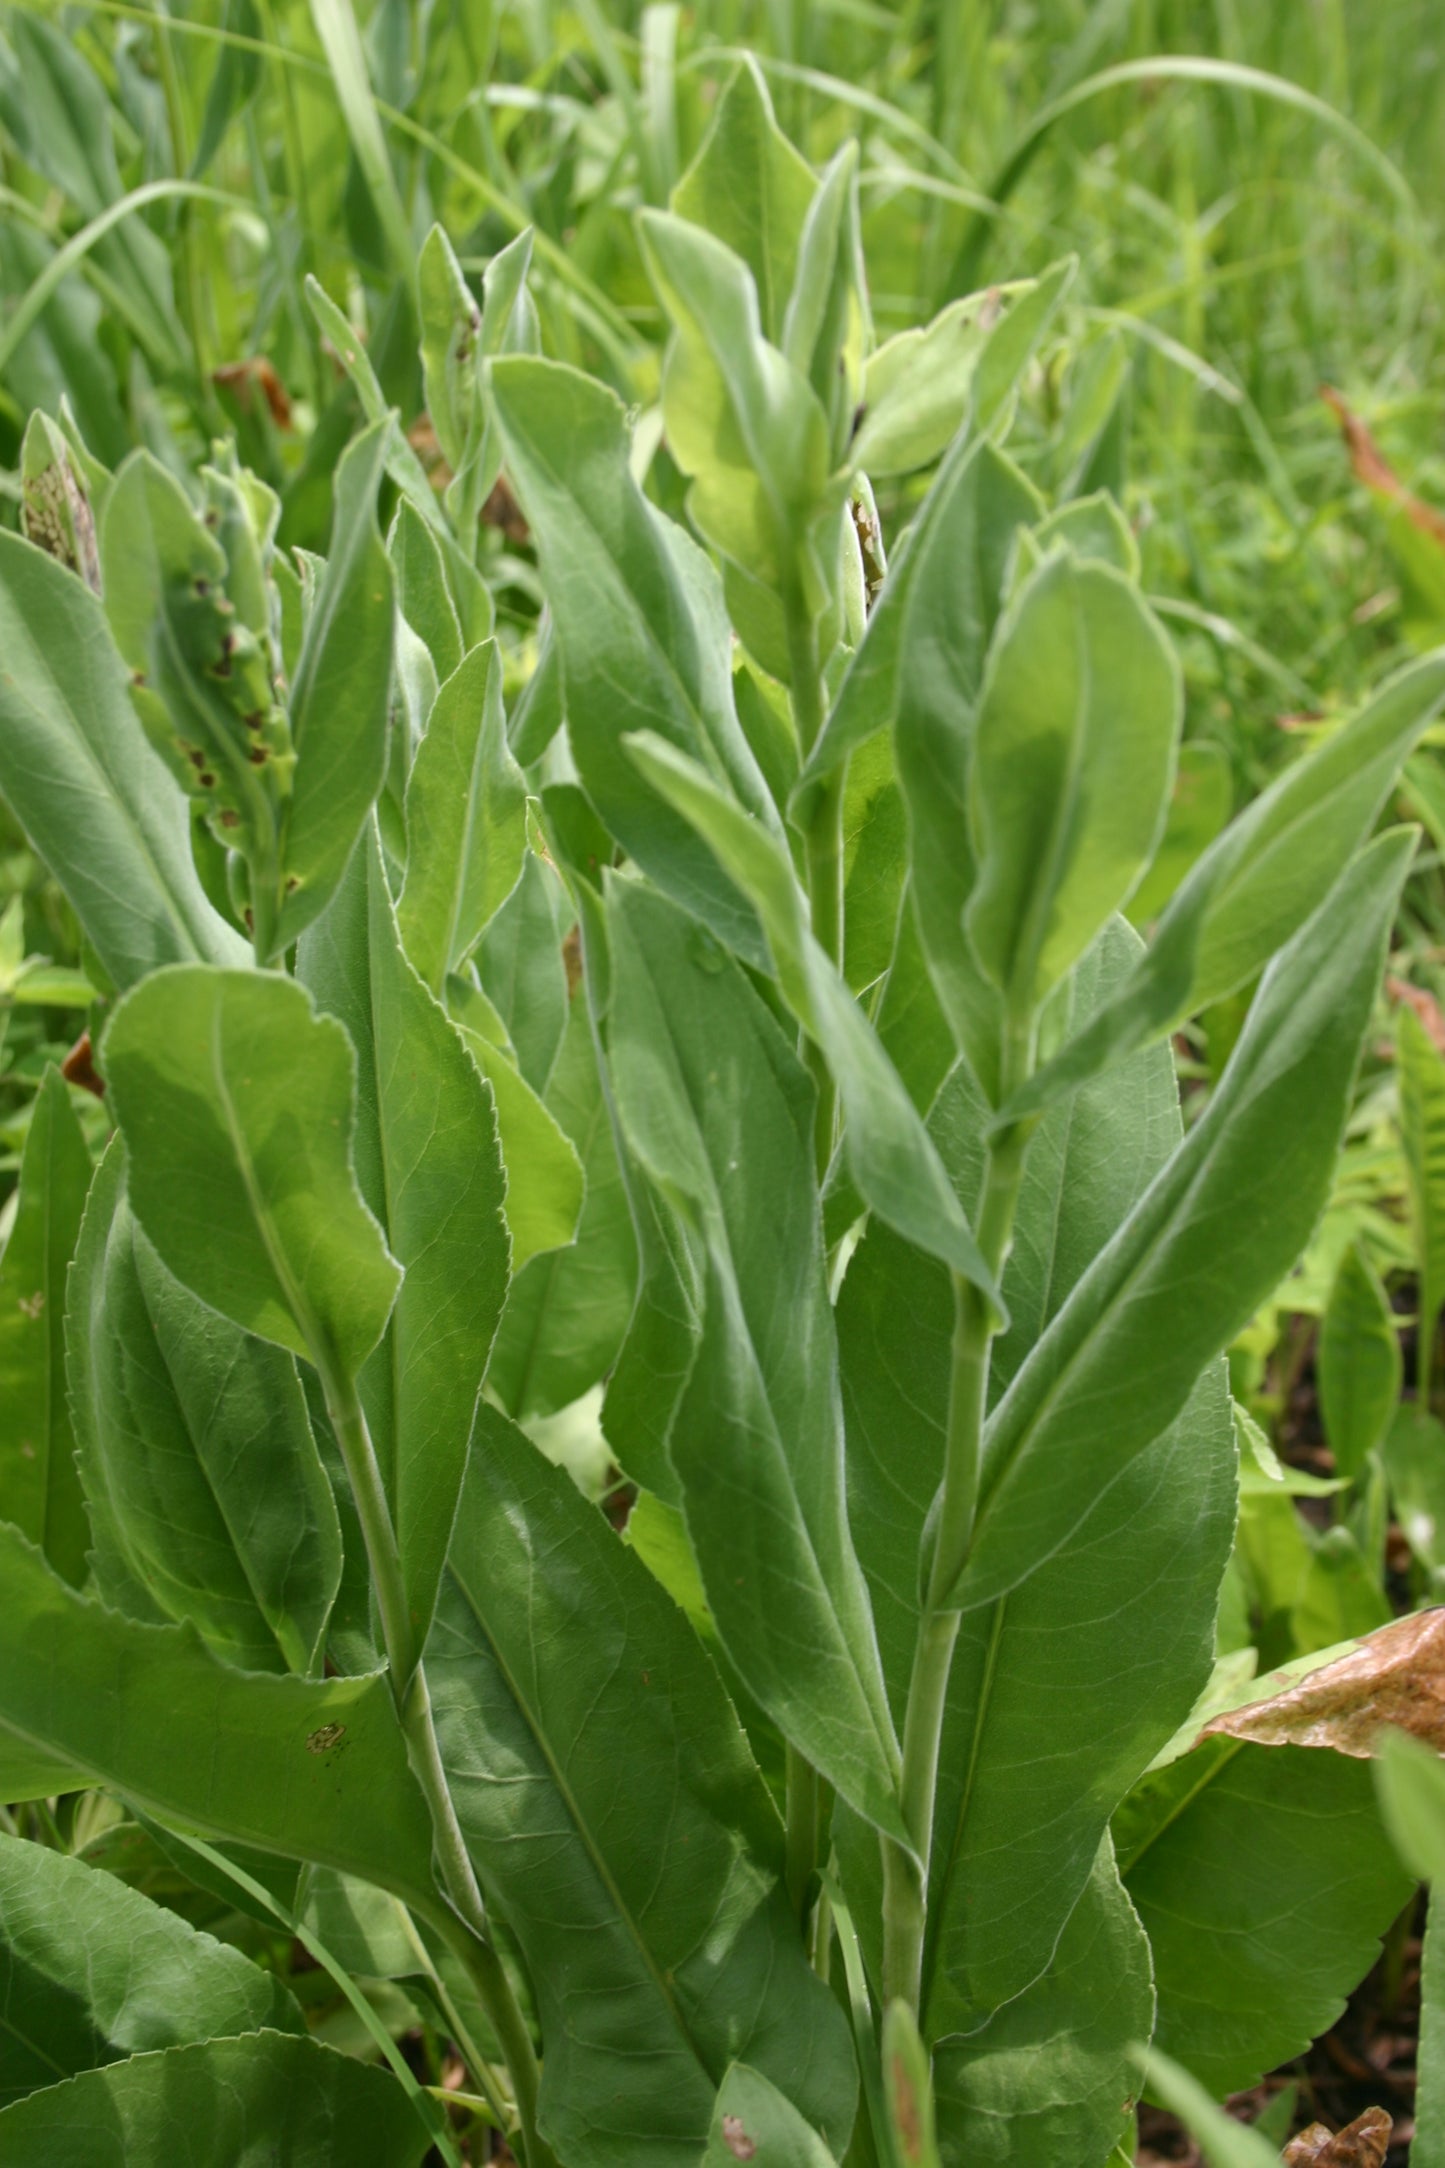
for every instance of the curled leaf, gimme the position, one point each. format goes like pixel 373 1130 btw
pixel 1361 2144
pixel 1395 1676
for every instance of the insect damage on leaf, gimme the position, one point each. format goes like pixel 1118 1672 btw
pixel 736 2139
pixel 1395 1676
pixel 1361 2144
pixel 324 1738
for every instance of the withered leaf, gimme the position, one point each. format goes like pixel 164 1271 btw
pixel 1393 1676
pixel 1362 2144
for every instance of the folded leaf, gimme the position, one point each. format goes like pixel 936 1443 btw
pixel 752 189
pixel 466 821
pixel 892 1161
pixel 1258 883
pixel 101 1973
pixel 719 1111
pixel 430 1169
pixel 236 1100
pixel 651 1913
pixel 313 1770
pixel 261 2098
pixel 1191 1263
pixel 639 622
pixel 86 785
pixel 206 1494
pixel 1072 761
pixel 340 695
pixel 1264 1883
pixel 39 1488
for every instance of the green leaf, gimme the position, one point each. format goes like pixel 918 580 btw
pixel 236 1100
pixel 1199 807
pixel 91 1971
pixel 207 1497
pixel 430 1170
pixel 1414 1461
pixel 310 1769
pixel 545 1179
pixel 753 2121
pixel 1226 2142
pixel 891 1158
pixel 1264 1885
pixel 340 696
pixel 1072 761
pixel 1422 1134
pixel 55 507
pixel 1411 1786
pixel 456 340
pixel 523 975
pixel 742 421
pixel 1427 2144
pixel 39 1487
pixel 1044 1732
pixel 336 27
pixel 751 190
pixel 85 784
pixel 719 1111
pixel 652 1915
pixel 233 84
pixel 1258 883
pixel 567 1312
pixel 1048 2081
pixel 466 821
pixel 1358 1364
pixel 261 2098
pixel 640 626
pixel 908 2086
pixel 918 385
pixel 422 593
pixel 1188 1269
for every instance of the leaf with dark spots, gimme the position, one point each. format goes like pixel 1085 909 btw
pixel 1395 1676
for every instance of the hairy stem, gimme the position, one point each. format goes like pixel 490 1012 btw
pixel 466 1923
pixel 905 1868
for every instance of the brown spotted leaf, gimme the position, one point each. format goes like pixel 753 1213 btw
pixel 1362 2144
pixel 1395 1676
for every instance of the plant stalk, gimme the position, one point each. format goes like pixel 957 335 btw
pixel 905 1868
pixel 466 1923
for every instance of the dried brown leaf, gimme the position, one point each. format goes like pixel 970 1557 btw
pixel 1362 2144
pixel 1394 1676
pixel 1371 467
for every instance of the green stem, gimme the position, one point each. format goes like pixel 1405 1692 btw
pixel 905 1868
pixel 466 1923
pixel 824 860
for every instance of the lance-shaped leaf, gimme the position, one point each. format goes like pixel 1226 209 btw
pixel 236 1100
pixel 919 669
pixel 742 421
pixel 309 1769
pixel 263 2097
pixel 101 1973
pixel 457 339
pixel 652 1914
pixel 1072 756
pixel 719 1111
pixel 568 1310
pixel 1264 1881
pixel 430 1169
pixel 1189 1266
pixel 466 821
pixel 1258 883
pixel 86 785
pixel 340 696
pixel 1422 1133
pixel 1225 2142
pixel 1358 1363
pixel 752 190
pixel 39 1488
pixel 207 1497
pixel 1411 1787
pixel 1049 2079
pixel 753 2121
pixel 891 1158
pixel 1044 1731
pixel 639 622
pixel 545 1180
pixel 423 595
